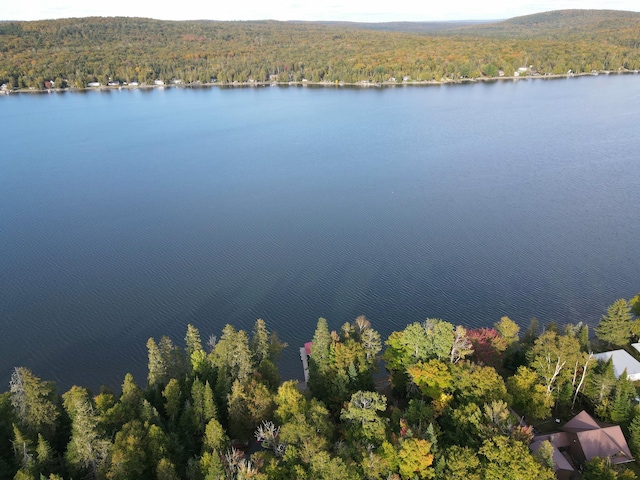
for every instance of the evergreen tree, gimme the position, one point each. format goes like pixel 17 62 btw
pixel 320 361
pixel 87 450
pixel 192 341
pixel 23 450
pixel 172 358
pixel 615 327
pixel 260 342
pixel 128 458
pixel 622 403
pixel 583 337
pixel 599 469
pixel 634 303
pixel 634 432
pixel 7 420
pixel 166 470
pixel 320 347
pixel 44 454
pixel 203 404
pixel 158 369
pixel 232 359
pixel 130 399
pixel 599 387
pixel 531 333
pixel 173 399
pixel 34 402
pixel 195 355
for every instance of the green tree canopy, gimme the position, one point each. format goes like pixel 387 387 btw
pixel 615 327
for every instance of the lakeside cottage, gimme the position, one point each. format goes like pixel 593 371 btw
pixel 581 439
pixel 622 361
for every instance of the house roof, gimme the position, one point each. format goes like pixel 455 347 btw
pixel 559 460
pixel 597 440
pixel 558 439
pixel 606 442
pixel 593 438
pixel 622 361
pixel 581 422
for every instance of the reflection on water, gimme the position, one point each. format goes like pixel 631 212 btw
pixel 131 214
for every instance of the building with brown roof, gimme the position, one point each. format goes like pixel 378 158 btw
pixel 583 438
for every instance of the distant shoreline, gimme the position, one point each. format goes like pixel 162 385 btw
pixel 360 84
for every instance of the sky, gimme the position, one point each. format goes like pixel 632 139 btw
pixel 343 10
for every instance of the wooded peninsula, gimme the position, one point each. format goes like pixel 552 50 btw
pixel 433 401
pixel 79 52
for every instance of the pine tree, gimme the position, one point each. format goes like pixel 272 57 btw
pixel 173 399
pixel 203 404
pixel 130 399
pixel 128 457
pixel 232 358
pixel 320 346
pixel 34 402
pixel 634 303
pixel 158 369
pixel 531 333
pixel 260 342
pixel 195 354
pixel 87 450
pixel 44 453
pixel 166 470
pixel 22 449
pixel 320 360
pixel 192 340
pixel 634 433
pixel 172 358
pixel 615 327
pixel 620 410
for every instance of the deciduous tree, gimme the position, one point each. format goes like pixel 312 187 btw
pixel 415 459
pixel 362 415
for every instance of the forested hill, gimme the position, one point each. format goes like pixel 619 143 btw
pixel 613 26
pixel 74 52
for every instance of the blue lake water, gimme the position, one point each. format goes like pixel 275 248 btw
pixel 128 214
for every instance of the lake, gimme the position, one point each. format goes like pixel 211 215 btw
pixel 129 214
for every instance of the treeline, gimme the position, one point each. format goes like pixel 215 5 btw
pixel 75 52
pixel 219 411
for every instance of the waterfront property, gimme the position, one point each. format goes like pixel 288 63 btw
pixel 622 362
pixel 581 439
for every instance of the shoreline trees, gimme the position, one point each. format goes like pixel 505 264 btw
pixel 450 415
pixel 75 52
